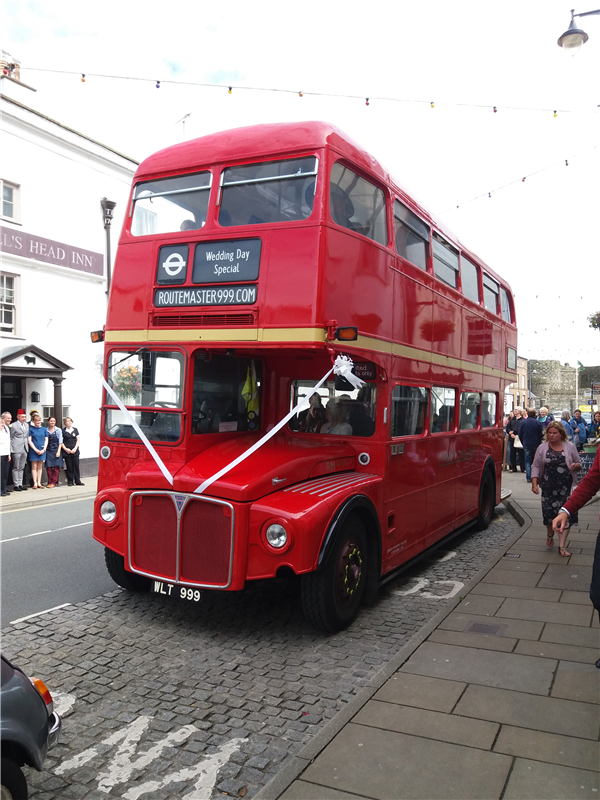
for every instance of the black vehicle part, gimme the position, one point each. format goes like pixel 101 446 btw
pixel 487 497
pixel 115 564
pixel 14 785
pixel 332 595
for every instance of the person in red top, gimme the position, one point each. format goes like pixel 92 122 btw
pixel 582 494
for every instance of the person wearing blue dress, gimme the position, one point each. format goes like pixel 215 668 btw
pixel 38 443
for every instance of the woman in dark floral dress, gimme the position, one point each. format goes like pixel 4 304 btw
pixel 555 467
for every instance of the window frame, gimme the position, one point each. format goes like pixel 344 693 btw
pixel 505 296
pixel 437 257
pixel 490 289
pixel 453 407
pixel 371 182
pixel 414 229
pixel 16 317
pixel 16 201
pixel 464 259
pixel 423 431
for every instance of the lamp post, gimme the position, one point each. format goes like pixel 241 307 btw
pixel 574 37
pixel 107 213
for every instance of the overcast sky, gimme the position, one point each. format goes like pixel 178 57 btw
pixel 465 57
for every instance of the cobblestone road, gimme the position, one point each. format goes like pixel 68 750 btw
pixel 169 700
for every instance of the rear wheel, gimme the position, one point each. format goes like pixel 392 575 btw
pixel 14 786
pixel 331 597
pixel 487 498
pixel 115 564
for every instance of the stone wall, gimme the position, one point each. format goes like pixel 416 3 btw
pixel 554 384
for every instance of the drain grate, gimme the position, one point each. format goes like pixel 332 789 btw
pixel 480 627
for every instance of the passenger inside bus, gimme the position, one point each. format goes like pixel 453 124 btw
pixel 336 419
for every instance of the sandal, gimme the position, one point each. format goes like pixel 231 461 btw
pixel 550 541
pixel 562 551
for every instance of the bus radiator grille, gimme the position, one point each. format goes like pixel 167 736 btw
pixel 200 320
pixel 154 535
pixel 205 543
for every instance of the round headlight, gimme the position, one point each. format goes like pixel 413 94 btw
pixel 276 536
pixel 108 511
pixel 105 451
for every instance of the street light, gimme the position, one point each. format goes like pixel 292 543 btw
pixel 107 214
pixel 574 37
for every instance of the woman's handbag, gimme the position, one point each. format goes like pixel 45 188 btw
pixel 517 443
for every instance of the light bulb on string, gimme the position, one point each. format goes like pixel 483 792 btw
pixel 432 104
pixel 158 84
pixel 556 113
pixel 229 90
pixel 300 94
pixel 367 101
pixel 82 77
pixel 566 163
pixel 495 110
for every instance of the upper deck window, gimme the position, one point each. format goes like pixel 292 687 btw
pixel 505 305
pixel 171 204
pixel 445 261
pixel 273 191
pixel 469 276
pixel 490 293
pixel 412 236
pixel 357 204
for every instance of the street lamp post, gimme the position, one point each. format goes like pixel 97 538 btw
pixel 574 37
pixel 107 213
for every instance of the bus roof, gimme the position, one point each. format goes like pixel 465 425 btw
pixel 279 139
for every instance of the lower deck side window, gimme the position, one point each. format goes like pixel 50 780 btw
pixel 409 410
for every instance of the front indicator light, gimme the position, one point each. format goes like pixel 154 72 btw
pixel 277 536
pixel 108 511
pixel 45 693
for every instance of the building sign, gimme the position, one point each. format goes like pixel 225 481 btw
pixel 205 296
pixel 172 264
pixel 27 245
pixel 228 261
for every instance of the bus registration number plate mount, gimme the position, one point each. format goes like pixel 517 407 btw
pixel 180 592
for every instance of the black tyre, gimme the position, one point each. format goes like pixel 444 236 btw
pixel 115 564
pixel 332 596
pixel 487 501
pixel 14 786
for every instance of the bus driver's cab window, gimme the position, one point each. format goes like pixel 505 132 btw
pixel 226 394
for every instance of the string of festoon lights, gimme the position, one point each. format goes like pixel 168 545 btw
pixel 495 109
pixel 83 76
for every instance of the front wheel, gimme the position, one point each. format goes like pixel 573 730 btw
pixel 487 497
pixel 14 786
pixel 331 597
pixel 115 564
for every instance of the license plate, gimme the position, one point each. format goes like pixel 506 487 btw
pixel 181 592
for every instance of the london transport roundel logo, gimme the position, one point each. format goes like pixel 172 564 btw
pixel 173 264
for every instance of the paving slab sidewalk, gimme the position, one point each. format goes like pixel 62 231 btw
pixel 16 501
pixel 497 697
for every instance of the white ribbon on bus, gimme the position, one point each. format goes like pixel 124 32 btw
pixel 341 366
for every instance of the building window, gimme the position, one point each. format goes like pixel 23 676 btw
pixel 8 315
pixel 48 411
pixel 10 201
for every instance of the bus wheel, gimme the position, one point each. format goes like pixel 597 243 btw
pixel 115 564
pixel 487 496
pixel 331 597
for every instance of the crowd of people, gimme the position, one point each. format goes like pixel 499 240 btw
pixel 549 451
pixel 26 447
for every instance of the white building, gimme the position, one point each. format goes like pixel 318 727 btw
pixel 53 250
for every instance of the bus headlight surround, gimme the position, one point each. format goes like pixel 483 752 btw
pixel 105 452
pixel 277 536
pixel 108 511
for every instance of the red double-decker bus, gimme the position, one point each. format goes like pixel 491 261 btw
pixel 249 261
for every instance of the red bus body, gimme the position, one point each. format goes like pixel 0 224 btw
pixel 407 483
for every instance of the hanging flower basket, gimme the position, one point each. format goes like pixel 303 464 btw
pixel 127 384
pixel 594 320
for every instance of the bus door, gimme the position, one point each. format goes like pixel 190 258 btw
pixel 442 461
pixel 405 523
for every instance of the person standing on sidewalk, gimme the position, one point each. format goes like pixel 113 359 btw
pixel 593 430
pixel 71 450
pixel 588 487
pixel 578 423
pixel 38 443
pixel 53 457
pixel 530 434
pixel 555 469
pixel 565 421
pixel 4 457
pixel 545 417
pixel 19 449
pixel 512 429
